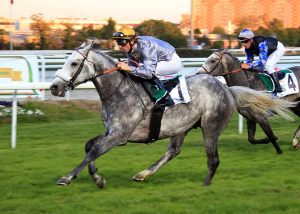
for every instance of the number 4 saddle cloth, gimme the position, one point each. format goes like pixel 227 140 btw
pixel 287 80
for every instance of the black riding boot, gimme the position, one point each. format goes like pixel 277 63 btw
pixel 166 99
pixel 276 81
pixel 158 94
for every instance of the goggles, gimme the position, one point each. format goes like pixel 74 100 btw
pixel 122 42
pixel 243 40
pixel 118 34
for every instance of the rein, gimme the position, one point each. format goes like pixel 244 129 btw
pixel 113 69
pixel 231 72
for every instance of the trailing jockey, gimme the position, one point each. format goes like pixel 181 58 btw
pixel 268 49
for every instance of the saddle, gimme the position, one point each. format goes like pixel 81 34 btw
pixel 287 80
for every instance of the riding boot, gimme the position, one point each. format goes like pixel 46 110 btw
pixel 276 82
pixel 166 98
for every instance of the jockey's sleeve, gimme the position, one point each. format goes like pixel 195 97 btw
pixel 250 57
pixel 263 51
pixel 148 66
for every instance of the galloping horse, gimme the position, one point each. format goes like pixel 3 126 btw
pixel 223 63
pixel 126 107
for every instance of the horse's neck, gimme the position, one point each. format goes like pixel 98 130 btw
pixel 107 84
pixel 239 78
pixel 236 79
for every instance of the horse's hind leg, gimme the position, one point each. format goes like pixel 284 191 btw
pixel 251 127
pixel 264 124
pixel 173 151
pixel 296 135
pixel 296 138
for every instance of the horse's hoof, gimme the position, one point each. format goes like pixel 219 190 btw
pixel 296 146
pixel 295 143
pixel 138 177
pixel 64 181
pixel 100 181
pixel 142 175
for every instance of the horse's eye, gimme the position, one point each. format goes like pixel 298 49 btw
pixel 212 61
pixel 74 64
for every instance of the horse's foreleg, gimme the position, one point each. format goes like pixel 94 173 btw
pixel 99 146
pixel 98 179
pixel 173 151
pixel 296 136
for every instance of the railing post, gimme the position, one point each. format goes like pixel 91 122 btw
pixel 43 74
pixel 240 124
pixel 14 121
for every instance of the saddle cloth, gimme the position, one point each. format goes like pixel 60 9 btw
pixel 180 92
pixel 287 80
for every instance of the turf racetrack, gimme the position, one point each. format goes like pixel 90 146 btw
pixel 250 178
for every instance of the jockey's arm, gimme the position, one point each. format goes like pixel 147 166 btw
pixel 148 66
pixel 263 51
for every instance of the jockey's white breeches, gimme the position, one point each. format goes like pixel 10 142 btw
pixel 274 58
pixel 169 69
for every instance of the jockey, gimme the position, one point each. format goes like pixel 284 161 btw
pixel 148 58
pixel 268 49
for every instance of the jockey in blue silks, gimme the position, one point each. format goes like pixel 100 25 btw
pixel 269 50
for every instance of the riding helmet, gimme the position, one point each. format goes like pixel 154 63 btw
pixel 124 33
pixel 245 34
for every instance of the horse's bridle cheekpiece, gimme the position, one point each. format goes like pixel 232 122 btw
pixel 70 84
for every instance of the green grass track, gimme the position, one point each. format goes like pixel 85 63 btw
pixel 250 178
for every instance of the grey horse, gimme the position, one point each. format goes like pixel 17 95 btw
pixel 223 63
pixel 126 111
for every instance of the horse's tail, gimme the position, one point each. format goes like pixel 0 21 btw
pixel 261 102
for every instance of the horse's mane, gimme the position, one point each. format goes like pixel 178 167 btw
pixel 106 56
pixel 235 59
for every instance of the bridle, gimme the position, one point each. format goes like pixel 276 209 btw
pixel 217 64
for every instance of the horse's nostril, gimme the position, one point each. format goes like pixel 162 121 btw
pixel 53 87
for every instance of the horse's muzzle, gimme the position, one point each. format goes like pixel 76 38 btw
pixel 57 90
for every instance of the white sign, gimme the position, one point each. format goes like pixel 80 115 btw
pixel 19 69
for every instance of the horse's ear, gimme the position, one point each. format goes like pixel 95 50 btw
pixel 83 45
pixel 223 50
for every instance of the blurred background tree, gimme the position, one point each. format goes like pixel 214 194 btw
pixel 42 31
pixel 166 31
pixel 46 37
